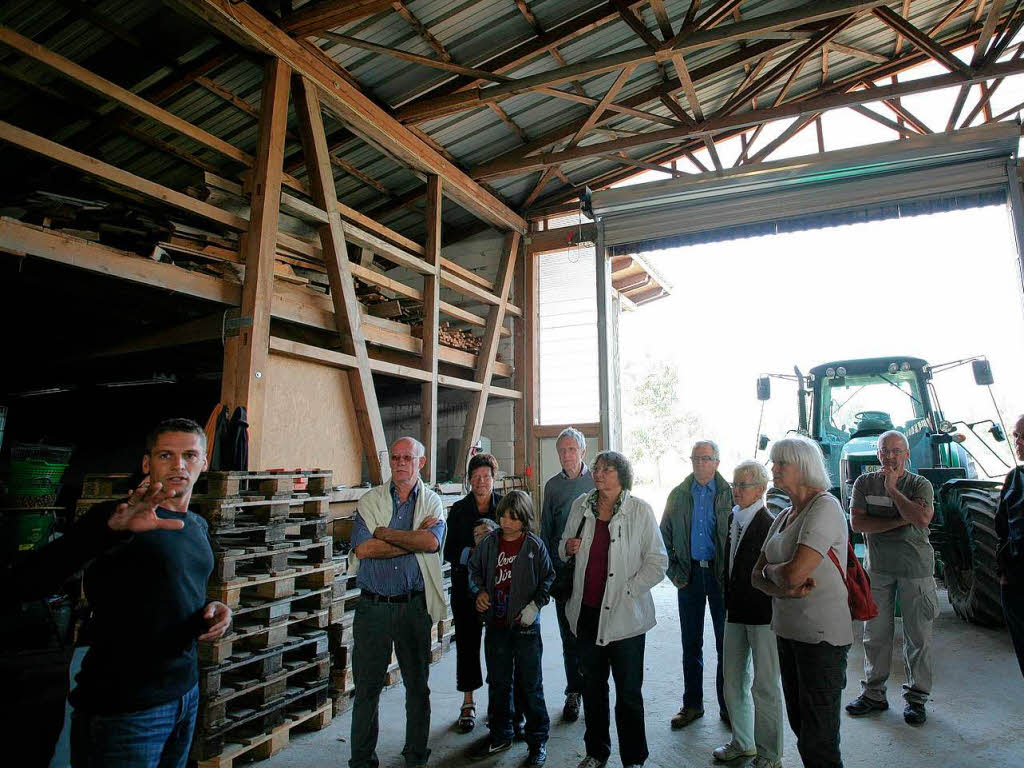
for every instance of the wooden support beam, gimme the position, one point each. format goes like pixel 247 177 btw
pixel 753 117
pixel 82 76
pixel 901 111
pixel 346 306
pixel 826 9
pixel 421 29
pixel 489 351
pixel 900 128
pixel 980 55
pixel 244 24
pixel 249 350
pixel 711 70
pixel 788 65
pixel 431 306
pixel 624 159
pixel 521 53
pixel 661 16
pixel 328 14
pixel 782 138
pixel 860 53
pixel 921 40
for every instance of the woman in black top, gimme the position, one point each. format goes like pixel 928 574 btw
pixel 469 520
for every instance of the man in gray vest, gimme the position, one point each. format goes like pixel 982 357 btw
pixel 559 493
pixel 892 508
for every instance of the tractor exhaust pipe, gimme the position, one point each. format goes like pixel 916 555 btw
pixel 801 402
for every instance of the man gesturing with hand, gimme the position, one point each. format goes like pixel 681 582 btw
pixel 137 693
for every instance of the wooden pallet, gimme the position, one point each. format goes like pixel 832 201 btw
pixel 258 636
pixel 273 484
pixel 243 534
pixel 242 694
pixel 233 567
pixel 272 724
pixel 261 664
pixel 232 511
pixel 272 587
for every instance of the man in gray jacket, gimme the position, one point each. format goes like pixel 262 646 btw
pixel 695 526
pixel 559 493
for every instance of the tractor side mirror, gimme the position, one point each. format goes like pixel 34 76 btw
pixel 762 442
pixel 982 373
pixel 997 433
pixel 764 388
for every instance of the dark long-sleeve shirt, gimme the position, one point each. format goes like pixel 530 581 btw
pixel 559 494
pixel 147 592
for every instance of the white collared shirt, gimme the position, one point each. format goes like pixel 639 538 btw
pixel 741 518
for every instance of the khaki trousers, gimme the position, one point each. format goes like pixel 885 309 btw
pixel 919 605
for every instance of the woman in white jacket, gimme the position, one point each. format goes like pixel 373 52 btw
pixel 620 556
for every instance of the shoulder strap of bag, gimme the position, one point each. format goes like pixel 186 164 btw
pixel 832 554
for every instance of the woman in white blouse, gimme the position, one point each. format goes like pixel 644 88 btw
pixel 810 613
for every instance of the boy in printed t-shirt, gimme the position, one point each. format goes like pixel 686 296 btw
pixel 510 573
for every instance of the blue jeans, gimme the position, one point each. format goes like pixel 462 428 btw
pixel 813 679
pixel 702 588
pixel 158 737
pixel 514 654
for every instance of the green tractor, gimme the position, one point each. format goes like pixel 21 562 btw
pixel 845 405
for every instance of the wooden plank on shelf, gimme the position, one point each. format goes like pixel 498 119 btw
pixel 90 165
pixel 343 293
pixel 291 303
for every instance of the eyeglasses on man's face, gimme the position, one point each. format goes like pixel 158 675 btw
pixel 745 485
pixel 891 451
pixel 702 459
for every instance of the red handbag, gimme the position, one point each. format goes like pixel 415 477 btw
pixel 858 586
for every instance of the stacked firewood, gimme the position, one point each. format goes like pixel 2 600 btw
pixel 459 339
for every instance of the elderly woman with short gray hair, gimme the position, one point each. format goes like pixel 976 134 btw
pixel 749 640
pixel 620 557
pixel 810 612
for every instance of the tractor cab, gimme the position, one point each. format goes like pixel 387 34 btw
pixel 847 404
pixel 852 402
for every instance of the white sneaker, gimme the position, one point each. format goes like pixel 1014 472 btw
pixel 731 751
pixel 763 762
pixel 591 762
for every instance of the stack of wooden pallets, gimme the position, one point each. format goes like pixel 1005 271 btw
pixel 273 566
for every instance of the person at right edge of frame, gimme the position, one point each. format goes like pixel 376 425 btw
pixel 1010 555
pixel 892 508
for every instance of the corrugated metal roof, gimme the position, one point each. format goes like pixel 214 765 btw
pixel 473 32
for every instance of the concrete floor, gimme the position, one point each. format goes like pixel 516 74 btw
pixel 975 718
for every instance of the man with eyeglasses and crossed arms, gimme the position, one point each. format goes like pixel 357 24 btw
pixel 694 527
pixel 397 537
pixel 892 508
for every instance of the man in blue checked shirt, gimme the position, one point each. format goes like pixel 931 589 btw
pixel 695 526
pixel 397 537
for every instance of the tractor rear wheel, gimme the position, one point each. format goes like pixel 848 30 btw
pixel 969 554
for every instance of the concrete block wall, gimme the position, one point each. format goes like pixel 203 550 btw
pixel 403 418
